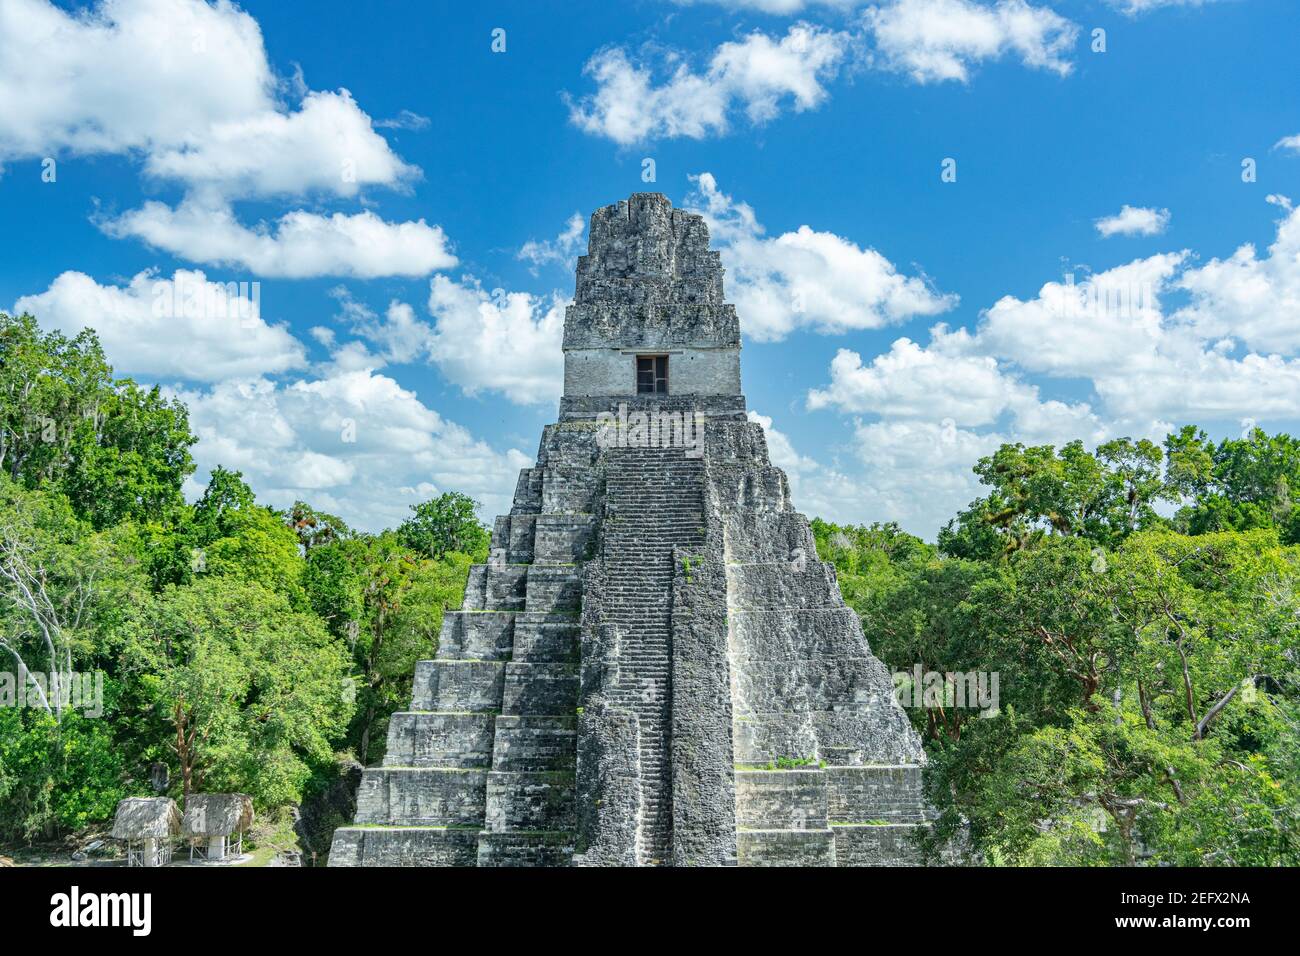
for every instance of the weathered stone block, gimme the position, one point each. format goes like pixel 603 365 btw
pixel 456 686
pixel 780 800
pixel 796 634
pixel 513 538
pixel 476 635
pixel 535 743
pixel 543 637
pixel 785 848
pixel 542 689
pixel 525 849
pixel 530 801
pixel 507 587
pixel 423 796
pixel 439 740
pixel 893 844
pixel 404 846
pixel 876 794
pixel 553 587
pixel 563 538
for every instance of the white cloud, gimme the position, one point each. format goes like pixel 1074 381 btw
pixel 329 145
pixel 1255 299
pixel 561 250
pixel 774 7
pixel 1291 143
pixel 400 336
pixel 910 381
pixel 126 75
pixel 1225 356
pixel 806 279
pixel 354 443
pixel 188 85
pixel 1135 7
pixel 187 326
pixel 1098 327
pixel 299 245
pixel 508 342
pixel 757 74
pixel 937 40
pixel 1133 221
pixel 1145 363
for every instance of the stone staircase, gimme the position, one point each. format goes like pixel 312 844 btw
pixel 480 770
pixel 653 505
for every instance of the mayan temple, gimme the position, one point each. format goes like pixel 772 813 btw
pixel 653 668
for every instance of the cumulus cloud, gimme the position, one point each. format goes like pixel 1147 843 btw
pixel 125 75
pixel 561 250
pixel 774 7
pixel 298 245
pixel 1133 221
pixel 354 443
pixel 756 74
pixel 188 85
pixel 1134 8
pixel 1156 342
pixel 328 145
pixel 806 278
pixel 1220 357
pixel 186 326
pixel 1251 297
pixel 1290 143
pixel 936 40
pixel 508 342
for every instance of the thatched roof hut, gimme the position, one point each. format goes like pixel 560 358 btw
pixel 217 814
pixel 144 818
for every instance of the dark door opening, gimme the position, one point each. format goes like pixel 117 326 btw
pixel 652 374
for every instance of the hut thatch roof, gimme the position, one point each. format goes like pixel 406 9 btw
pixel 217 814
pixel 139 818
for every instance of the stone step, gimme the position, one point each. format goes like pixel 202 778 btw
pixel 540 689
pixel 553 587
pixel 542 637
pixel 786 847
pixel 781 799
pixel 876 794
pixel 458 740
pixel 421 796
pixel 526 849
pixel 404 846
pixel 889 844
pixel 530 800
pixel 476 635
pixel 535 743
pixel 457 686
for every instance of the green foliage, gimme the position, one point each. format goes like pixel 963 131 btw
pixel 1037 492
pixel 116 450
pixel 1239 485
pixel 445 524
pixel 1148 682
pixel 253 690
pixel 55 777
pixel 385 603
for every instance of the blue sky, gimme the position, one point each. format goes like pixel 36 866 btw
pixel 413 242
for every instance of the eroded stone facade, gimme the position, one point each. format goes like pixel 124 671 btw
pixel 654 668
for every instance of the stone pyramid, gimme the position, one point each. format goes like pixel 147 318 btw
pixel 654 668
